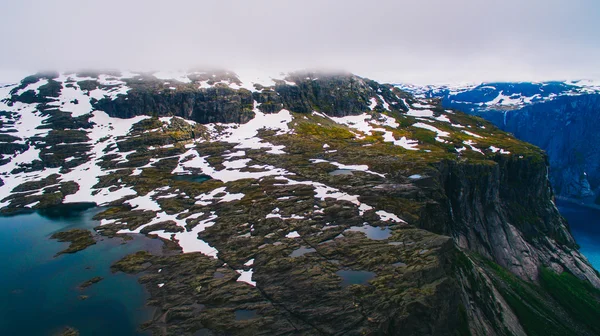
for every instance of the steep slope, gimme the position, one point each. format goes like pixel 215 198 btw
pixel 311 204
pixel 560 117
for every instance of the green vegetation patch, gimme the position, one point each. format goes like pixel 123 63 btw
pixel 562 305
pixel 90 282
pixel 580 299
pixel 80 239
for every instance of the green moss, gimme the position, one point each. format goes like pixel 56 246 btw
pixel 168 226
pixel 35 185
pixel 146 125
pixel 90 282
pixel 69 331
pixel 463 322
pixel 80 239
pixel 133 263
pixel 579 298
pixel 326 132
pixel 537 312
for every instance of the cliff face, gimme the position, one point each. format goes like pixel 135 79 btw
pixel 319 204
pixel 567 128
pixel 504 212
pixel 227 101
pixel 561 118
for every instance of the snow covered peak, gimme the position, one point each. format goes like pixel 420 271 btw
pixel 503 95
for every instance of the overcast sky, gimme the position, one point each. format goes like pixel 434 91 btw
pixel 420 41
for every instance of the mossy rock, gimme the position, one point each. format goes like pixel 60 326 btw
pixel 79 240
pixel 133 263
pixel 68 331
pixel 90 282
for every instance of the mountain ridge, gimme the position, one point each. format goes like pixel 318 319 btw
pixel 286 189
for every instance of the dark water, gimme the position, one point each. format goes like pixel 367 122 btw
pixel 302 250
pixel 39 294
pixel 585 227
pixel 372 232
pixel 244 314
pixel 192 178
pixel 355 277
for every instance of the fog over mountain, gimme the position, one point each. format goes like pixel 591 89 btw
pixel 409 41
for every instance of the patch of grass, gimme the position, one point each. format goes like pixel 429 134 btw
pixel 579 298
pixel 80 239
pixel 537 312
pixel 133 263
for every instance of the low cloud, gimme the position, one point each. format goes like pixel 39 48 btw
pixel 396 41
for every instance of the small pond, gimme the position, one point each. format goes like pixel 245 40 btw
pixel 372 232
pixel 302 250
pixel 191 178
pixel 244 314
pixel 341 172
pixel 350 277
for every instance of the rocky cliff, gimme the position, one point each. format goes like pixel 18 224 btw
pixel 309 204
pixel 560 117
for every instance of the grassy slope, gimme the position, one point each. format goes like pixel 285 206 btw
pixel 560 305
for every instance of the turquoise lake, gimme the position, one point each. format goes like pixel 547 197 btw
pixel 39 293
pixel 585 227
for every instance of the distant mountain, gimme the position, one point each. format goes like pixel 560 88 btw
pixel 302 204
pixel 562 118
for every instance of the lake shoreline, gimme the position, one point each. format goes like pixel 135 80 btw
pixel 578 202
pixel 119 303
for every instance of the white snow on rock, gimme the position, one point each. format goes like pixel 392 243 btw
pixel 439 132
pixel 324 192
pixel 144 202
pixel 472 134
pixel 444 118
pixel 87 175
pixel 496 150
pixel 420 113
pixel 246 276
pixel 208 198
pixel 364 123
pixel 225 175
pixel 470 143
pixel 188 240
pixel 363 168
pixel 387 216
pixel 419 105
pixel 250 78
pixel 245 135
pixel 386 106
pixel 33 87
pixel 373 104
pixel 293 234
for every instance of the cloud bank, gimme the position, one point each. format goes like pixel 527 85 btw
pixel 427 41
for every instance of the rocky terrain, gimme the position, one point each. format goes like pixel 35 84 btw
pixel 560 117
pixel 310 204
